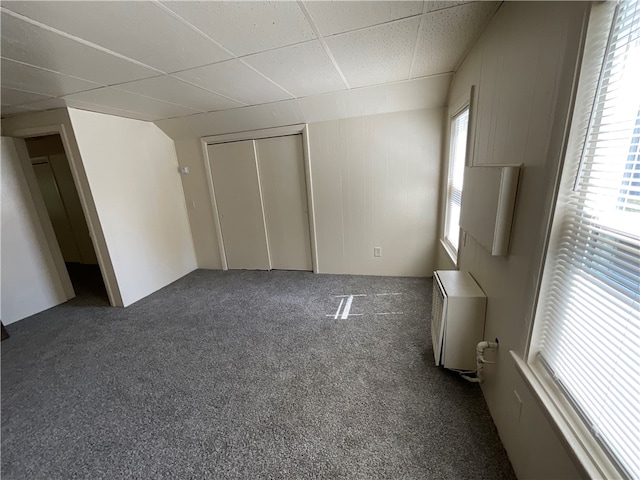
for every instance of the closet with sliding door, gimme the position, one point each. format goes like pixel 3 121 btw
pixel 260 195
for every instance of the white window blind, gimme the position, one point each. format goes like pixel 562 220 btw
pixel 459 131
pixel 590 297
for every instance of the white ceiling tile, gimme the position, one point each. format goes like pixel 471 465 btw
pixel 142 31
pixel 432 6
pixel 48 104
pixel 377 54
pixel 375 46
pixel 31 79
pixel 321 107
pixel 235 80
pixel 11 110
pixel 428 92
pixel 447 35
pixel 54 103
pixel 247 27
pixel 236 120
pixel 122 100
pixel 303 69
pixel 175 91
pixel 25 42
pixel 337 17
pixel 18 97
pixel 112 111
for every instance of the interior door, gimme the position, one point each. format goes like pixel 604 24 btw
pixel 237 192
pixel 69 194
pixel 284 195
pixel 57 212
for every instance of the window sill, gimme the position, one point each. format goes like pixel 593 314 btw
pixel 569 425
pixel 451 253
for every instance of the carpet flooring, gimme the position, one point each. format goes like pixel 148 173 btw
pixel 243 375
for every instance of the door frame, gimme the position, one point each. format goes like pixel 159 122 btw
pixel 93 222
pixel 302 129
pixel 43 217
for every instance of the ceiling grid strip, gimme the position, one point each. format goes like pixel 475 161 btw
pixel 322 42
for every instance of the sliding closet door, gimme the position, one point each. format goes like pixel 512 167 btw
pixel 284 194
pixel 237 191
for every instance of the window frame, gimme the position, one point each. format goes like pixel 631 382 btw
pixel 464 102
pixel 558 407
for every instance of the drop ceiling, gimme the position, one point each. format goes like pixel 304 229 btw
pixel 156 60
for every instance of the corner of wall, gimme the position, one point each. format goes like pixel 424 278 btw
pixel 198 202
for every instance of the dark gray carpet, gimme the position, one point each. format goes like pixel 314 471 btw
pixel 242 375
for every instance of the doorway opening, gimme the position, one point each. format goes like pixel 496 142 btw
pixel 51 168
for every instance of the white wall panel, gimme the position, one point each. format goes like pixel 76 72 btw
pixel 133 175
pixel 30 281
pixel 523 68
pixel 375 182
pixel 196 190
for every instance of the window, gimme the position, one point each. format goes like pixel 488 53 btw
pixel 587 325
pixel 457 155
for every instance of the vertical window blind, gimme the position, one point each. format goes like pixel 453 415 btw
pixel 458 152
pixel 590 295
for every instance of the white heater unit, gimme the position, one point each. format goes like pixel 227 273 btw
pixel 457 319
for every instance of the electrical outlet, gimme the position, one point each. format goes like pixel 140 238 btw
pixel 377 251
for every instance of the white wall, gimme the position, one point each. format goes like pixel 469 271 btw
pixel 30 281
pixel 375 183
pixel 57 121
pixel 424 94
pixel 523 67
pixel 133 176
pixel 196 191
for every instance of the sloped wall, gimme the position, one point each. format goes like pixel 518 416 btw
pixel 133 174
